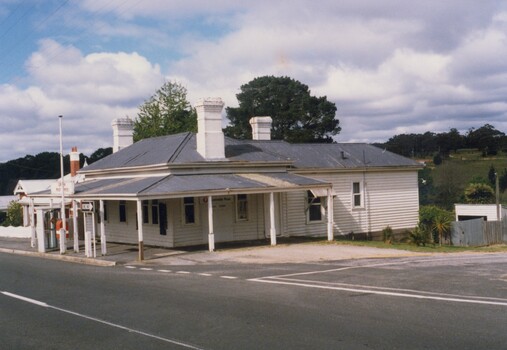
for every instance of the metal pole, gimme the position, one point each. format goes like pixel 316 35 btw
pixel 63 247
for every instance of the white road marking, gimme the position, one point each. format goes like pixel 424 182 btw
pixel 164 270
pixel 146 269
pixel 447 259
pixel 130 330
pixel 28 300
pixel 183 272
pixel 205 274
pixel 359 286
pixel 229 277
pixel 371 291
pixel 130 267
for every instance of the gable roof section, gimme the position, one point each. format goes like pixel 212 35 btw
pixel 33 186
pixel 181 149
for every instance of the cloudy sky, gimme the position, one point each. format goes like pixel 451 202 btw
pixel 391 66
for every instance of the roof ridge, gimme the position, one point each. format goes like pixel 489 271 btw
pixel 180 147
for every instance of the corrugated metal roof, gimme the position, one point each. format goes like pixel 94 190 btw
pixel 181 149
pixel 179 184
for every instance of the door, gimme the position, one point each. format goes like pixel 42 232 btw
pixel 223 218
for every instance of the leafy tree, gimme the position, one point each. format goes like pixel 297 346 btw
pixel 99 154
pixel 166 112
pixel 449 141
pixel 297 115
pixel 14 214
pixel 477 193
pixel 436 220
pixel 487 139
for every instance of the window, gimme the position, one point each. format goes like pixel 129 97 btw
pixel 189 210
pixel 314 208
pixel 146 213
pixel 241 207
pixel 154 212
pixel 123 211
pixel 357 200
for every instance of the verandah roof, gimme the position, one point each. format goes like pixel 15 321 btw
pixel 177 186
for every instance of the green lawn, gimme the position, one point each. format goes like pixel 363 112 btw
pixel 422 249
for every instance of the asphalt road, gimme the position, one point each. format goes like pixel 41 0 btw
pixel 451 302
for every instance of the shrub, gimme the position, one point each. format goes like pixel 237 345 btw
pixel 421 235
pixel 387 234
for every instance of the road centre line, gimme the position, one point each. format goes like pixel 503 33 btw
pixel 130 330
pixel 372 291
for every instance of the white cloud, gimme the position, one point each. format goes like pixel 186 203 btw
pixel 88 90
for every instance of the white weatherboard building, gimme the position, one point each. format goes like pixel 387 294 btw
pixel 190 189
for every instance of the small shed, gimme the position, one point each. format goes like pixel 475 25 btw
pixel 488 212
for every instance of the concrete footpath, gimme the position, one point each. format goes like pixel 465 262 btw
pixel 286 252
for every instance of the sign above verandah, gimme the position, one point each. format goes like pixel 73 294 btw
pixel 68 187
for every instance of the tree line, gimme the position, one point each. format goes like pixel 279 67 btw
pixel 45 165
pixel 486 139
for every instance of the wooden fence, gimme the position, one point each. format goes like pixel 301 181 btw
pixel 472 233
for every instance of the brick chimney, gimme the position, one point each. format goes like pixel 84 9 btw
pixel 210 138
pixel 123 133
pixel 74 161
pixel 261 128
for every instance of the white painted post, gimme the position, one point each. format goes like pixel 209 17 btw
pixel 88 227
pixel 211 235
pixel 32 224
pixel 94 234
pixel 103 248
pixel 140 229
pixel 75 212
pixel 330 215
pixel 41 242
pixel 272 228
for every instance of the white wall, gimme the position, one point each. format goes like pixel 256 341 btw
pixel 487 210
pixel 16 232
pixel 390 198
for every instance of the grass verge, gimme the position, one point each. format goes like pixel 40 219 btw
pixel 498 248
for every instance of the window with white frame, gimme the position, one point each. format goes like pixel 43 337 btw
pixel 314 207
pixel 357 194
pixel 189 210
pixel 241 207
